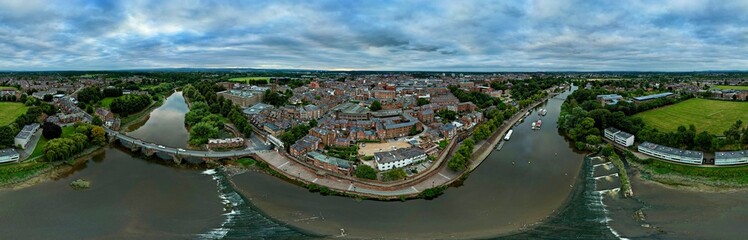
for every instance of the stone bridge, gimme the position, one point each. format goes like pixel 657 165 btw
pixel 177 154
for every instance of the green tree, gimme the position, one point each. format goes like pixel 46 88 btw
pixel 97 121
pixel 201 132
pixel 365 172
pixel 423 101
pixel 376 106
pixel 704 141
pixel 6 136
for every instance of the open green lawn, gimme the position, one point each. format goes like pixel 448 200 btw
pixel 244 79
pixel 707 115
pixel 731 87
pixel 39 149
pixel 106 102
pixel 3 88
pixel 67 131
pixel 10 111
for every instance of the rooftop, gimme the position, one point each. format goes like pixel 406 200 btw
pixel 349 107
pixel 731 155
pixel 256 109
pixel 399 154
pixel 331 160
pixel 8 152
pixel 653 96
pixel 672 151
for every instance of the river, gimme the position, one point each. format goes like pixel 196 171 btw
pixel 535 187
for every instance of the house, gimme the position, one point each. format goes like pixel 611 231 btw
pixel 620 137
pixel 398 158
pixel 653 97
pixel 329 163
pixel 272 129
pixel 9 155
pixel 226 143
pixel 104 114
pixel 609 99
pixel 23 137
pixel 243 98
pixel 730 158
pixel 671 154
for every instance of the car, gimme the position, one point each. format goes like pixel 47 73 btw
pixel 181 150
pixel 161 146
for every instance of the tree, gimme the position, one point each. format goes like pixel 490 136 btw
pixel 97 121
pixel 201 132
pixel 394 174
pixel 112 92
pixel 376 106
pixel 413 131
pixel 48 97
pixel 423 101
pixel 51 131
pixel 98 135
pixel 703 141
pixel 365 172
pixel 89 95
pixel 6 136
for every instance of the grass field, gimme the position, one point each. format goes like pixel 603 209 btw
pixel 67 131
pixel 10 111
pixel 245 79
pixel 3 88
pixel 39 149
pixel 106 102
pixel 707 115
pixel 731 87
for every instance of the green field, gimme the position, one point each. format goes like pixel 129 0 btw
pixel 731 87
pixel 10 111
pixel 106 102
pixel 3 88
pixel 707 115
pixel 245 79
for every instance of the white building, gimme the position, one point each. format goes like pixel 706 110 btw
pixel 9 155
pixel 731 158
pixel 23 137
pixel 398 158
pixel 620 137
pixel 671 154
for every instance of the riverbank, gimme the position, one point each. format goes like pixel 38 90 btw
pixel 141 117
pixel 50 171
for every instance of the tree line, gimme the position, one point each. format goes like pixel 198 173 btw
pixel 128 104
pixel 209 111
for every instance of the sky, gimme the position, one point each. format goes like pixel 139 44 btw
pixel 541 35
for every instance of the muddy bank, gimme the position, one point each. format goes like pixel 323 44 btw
pixel 666 212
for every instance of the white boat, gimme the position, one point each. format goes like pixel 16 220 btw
pixel 508 135
pixel 544 111
pixel 533 125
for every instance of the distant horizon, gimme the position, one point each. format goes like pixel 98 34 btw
pixel 190 69
pixel 454 36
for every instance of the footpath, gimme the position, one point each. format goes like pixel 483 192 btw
pixel 437 175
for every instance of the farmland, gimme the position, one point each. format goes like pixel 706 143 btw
pixel 731 87
pixel 707 115
pixel 11 111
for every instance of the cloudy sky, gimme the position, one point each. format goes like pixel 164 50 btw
pixel 681 35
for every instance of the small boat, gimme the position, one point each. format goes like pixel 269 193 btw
pixel 508 135
pixel 545 111
pixel 536 125
pixel 533 125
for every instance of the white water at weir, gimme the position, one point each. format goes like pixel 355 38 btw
pixel 241 221
pixel 598 195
